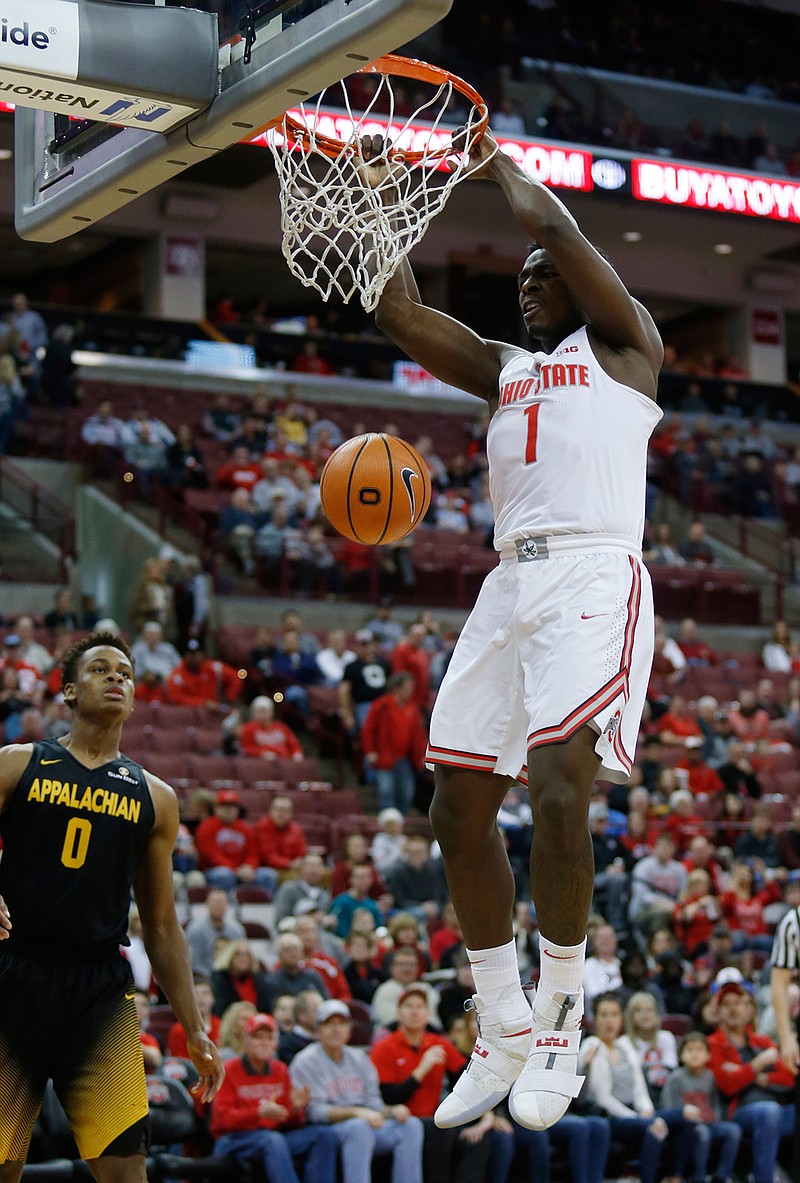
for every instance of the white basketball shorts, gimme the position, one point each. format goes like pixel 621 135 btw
pixel 549 647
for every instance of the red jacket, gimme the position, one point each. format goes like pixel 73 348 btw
pixel 695 930
pixel 331 973
pixel 748 915
pixel 734 1080
pixel 213 682
pixel 238 476
pixel 235 1108
pixel 393 732
pixel 257 738
pixel 395 1059
pixel 225 845
pixel 406 659
pixel 278 847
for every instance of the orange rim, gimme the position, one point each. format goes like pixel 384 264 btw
pixel 403 67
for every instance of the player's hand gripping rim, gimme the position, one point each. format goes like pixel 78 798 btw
pixel 481 152
pixel 5 920
pixel 376 167
pixel 210 1069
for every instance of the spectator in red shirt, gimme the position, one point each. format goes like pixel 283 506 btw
pixel 280 840
pixel 696 913
pixel 227 848
pixel 411 1064
pixel 199 681
pixel 411 657
pixel 204 993
pixel 701 778
pixel 743 908
pixel 700 855
pixel 240 472
pixel 695 651
pixel 393 741
pixel 753 1078
pixel 750 721
pixel 677 724
pixel 683 821
pixel 446 937
pixel 310 362
pixel 258 1116
pixel 267 737
pixel 314 957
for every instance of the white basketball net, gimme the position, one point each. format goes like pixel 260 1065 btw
pixel 343 232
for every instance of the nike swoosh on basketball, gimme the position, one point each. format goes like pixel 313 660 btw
pixel 43 762
pixel 407 475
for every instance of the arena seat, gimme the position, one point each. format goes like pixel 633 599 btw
pixel 679 1025
pixel 363 1022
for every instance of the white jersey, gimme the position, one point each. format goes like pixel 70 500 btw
pixel 567 447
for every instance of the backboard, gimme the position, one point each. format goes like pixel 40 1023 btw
pixel 69 174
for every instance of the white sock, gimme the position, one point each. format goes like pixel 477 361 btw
pixel 495 971
pixel 561 967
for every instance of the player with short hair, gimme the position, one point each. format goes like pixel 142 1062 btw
pixel 548 678
pixel 82 825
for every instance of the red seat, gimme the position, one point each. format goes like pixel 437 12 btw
pixel 176 717
pixel 295 771
pixel 162 1019
pixel 212 769
pixel 679 1025
pixel 206 741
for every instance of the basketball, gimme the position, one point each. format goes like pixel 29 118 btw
pixel 375 489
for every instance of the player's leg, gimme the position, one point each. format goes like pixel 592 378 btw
pixel 111 1169
pixel 560 779
pixel 28 1027
pixel 464 819
pixel 100 1078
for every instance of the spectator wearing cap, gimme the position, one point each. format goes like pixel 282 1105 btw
pixel 344 1092
pixel 754 1080
pixel 291 975
pixel 227 847
pixel 611 864
pixel 363 680
pixel 700 777
pixel 259 1116
pixel 280 839
pixel 205 931
pixel 387 845
pixel 29 678
pixel 198 680
pixel 412 1062
pixel 265 737
pixel 393 739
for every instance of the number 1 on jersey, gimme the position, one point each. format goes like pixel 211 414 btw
pixel 532 415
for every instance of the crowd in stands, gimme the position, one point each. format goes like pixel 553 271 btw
pixel 355 964
pixel 680 46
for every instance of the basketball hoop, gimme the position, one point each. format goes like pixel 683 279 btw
pixel 346 229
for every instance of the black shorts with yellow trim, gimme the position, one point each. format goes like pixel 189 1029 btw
pixel 70 1018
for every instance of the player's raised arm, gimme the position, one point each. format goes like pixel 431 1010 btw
pixel 164 940
pixel 614 315
pixel 443 346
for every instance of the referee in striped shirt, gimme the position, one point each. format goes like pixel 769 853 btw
pixel 784 961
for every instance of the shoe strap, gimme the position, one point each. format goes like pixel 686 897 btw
pixel 493 1058
pixel 495 1012
pixel 548 1080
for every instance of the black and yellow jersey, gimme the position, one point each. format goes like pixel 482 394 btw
pixel 73 838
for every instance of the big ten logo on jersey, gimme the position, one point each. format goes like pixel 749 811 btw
pixel 551 376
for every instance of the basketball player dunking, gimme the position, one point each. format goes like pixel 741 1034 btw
pixel 82 825
pixel 548 678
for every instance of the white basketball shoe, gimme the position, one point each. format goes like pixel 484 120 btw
pixel 497 1059
pixel 549 1081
